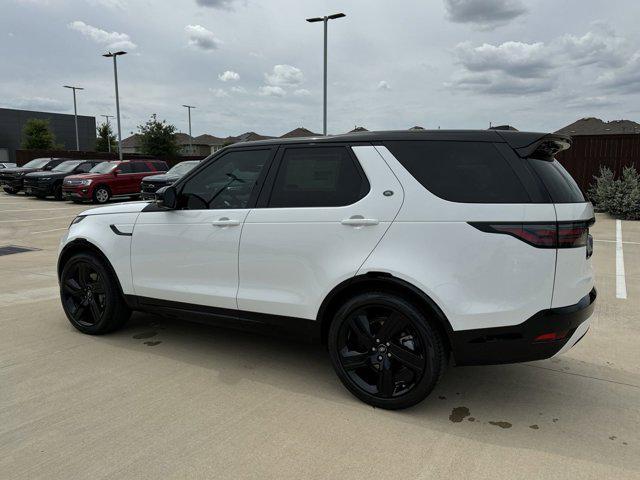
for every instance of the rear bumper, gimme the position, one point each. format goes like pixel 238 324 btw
pixel 518 343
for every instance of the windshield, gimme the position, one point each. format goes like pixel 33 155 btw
pixel 181 168
pixel 104 167
pixel 37 163
pixel 67 166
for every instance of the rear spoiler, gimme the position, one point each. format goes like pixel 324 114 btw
pixel 542 146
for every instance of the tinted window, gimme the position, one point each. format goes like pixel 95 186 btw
pixel 161 166
pixel 470 172
pixel 561 186
pixel 317 177
pixel 226 182
pixel 140 167
pixel 84 167
pixel 125 168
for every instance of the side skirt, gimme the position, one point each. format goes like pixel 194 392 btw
pixel 262 323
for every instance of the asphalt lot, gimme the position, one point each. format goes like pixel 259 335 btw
pixel 164 399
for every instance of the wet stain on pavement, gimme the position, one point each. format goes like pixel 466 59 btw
pixel 152 343
pixel 458 414
pixel 142 335
pixel 555 420
pixel 534 427
pixel 472 419
pixel 501 424
pixel 612 437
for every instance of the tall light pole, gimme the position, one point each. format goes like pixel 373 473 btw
pixel 107 117
pixel 75 112
pixel 115 75
pixel 325 19
pixel 189 107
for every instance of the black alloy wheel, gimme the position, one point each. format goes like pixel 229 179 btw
pixel 385 351
pixel 90 295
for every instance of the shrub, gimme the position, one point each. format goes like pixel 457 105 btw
pixel 619 197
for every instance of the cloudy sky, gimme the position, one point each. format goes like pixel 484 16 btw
pixel 250 65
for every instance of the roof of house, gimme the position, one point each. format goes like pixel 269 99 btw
pixel 249 137
pixel 417 127
pixel 206 139
pixel 595 126
pixel 131 141
pixel 299 132
pixel 358 129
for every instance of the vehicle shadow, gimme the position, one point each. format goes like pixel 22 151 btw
pixel 563 407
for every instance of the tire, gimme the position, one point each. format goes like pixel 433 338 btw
pixel 57 192
pixel 40 197
pixel 101 194
pixel 91 296
pixel 390 367
pixel 10 190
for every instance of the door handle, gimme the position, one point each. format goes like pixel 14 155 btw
pixel 359 221
pixel 225 222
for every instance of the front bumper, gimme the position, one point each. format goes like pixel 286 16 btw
pixel 78 193
pixel 518 343
pixel 12 183
pixel 42 189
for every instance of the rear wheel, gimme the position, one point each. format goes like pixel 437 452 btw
pixel 101 194
pixel 57 192
pixel 90 295
pixel 385 351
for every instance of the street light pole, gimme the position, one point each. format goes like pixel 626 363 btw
pixel 107 117
pixel 75 112
pixel 325 20
pixel 115 75
pixel 189 107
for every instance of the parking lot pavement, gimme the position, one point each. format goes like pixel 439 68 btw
pixel 164 399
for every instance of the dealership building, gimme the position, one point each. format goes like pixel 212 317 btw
pixel 62 125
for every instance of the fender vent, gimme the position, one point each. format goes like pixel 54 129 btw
pixel 10 249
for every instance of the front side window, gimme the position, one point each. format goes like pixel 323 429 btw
pixel 226 182
pixel 140 167
pixel 84 167
pixel 317 177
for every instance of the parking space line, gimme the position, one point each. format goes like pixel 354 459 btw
pixel 34 219
pixel 621 283
pixel 47 231
pixel 614 241
pixel 34 209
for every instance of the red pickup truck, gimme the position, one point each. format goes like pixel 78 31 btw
pixel 110 180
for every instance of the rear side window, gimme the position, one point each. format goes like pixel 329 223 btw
pixel 140 167
pixel 468 172
pixel 317 177
pixel 559 183
pixel 125 168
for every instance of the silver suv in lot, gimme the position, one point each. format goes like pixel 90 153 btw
pixel 401 251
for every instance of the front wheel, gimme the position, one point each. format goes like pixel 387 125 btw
pixel 9 190
pixel 57 192
pixel 101 195
pixel 90 295
pixel 384 350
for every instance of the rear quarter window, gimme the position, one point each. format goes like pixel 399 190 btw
pixel 467 172
pixel 559 183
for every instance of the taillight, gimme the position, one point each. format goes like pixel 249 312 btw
pixel 545 235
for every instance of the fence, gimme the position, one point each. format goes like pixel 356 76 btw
pixel 589 152
pixel 23 156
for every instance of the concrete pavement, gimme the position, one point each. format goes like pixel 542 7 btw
pixel 165 399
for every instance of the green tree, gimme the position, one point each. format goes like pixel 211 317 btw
pixel 105 137
pixel 157 138
pixel 37 135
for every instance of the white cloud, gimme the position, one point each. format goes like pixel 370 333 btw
pixel 37 103
pixel 236 89
pixel 625 79
pixel 284 75
pixel 383 85
pixel 223 4
pixel 601 47
pixel 271 91
pixel 518 59
pixel 219 92
pixel 301 92
pixel 110 40
pixel 115 4
pixel 229 75
pixel 200 37
pixel 484 14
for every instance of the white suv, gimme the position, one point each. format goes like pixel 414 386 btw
pixel 399 250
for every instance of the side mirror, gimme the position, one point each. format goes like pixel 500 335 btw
pixel 116 172
pixel 167 197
